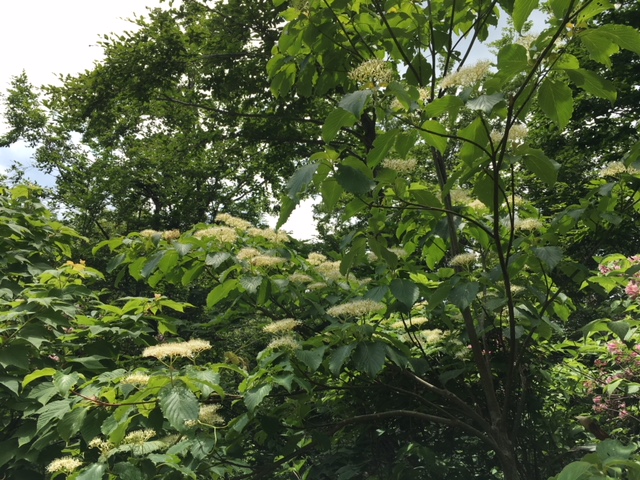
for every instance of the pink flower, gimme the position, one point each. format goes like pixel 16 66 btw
pixel 603 269
pixel 634 259
pixel 633 290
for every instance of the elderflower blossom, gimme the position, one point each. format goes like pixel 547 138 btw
pixel 316 258
pixel 316 286
pixel 269 234
pixel 425 95
pixel 357 308
pixel 330 270
pixel 528 224
pixel 517 134
pixel 171 234
pixel 400 166
pixel 300 278
pixel 138 437
pixel 466 76
pixel 149 233
pixel 103 445
pixel 527 40
pixel 398 252
pixel 373 73
pixel 222 234
pixel 463 260
pixel 179 349
pixel 613 169
pixel 64 464
pixel 232 221
pixel 432 336
pixel 209 414
pixel 248 253
pixel 477 205
pixel 281 326
pixel 136 379
pixel 267 261
pixel 460 196
pixel 286 342
pixel 411 322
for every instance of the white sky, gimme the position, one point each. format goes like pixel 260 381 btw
pixel 47 38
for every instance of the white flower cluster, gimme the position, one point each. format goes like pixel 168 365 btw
pixel 373 73
pixel 517 134
pixel 269 233
pixel 64 464
pixel 400 166
pixel 613 169
pixel 179 349
pixel 528 224
pixel 281 326
pixel 357 308
pixel 316 258
pixel 267 261
pixel 136 379
pixel 232 221
pixel 463 260
pixel 222 234
pixel 287 342
pixel 467 76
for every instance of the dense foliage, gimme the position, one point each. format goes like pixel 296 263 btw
pixel 439 341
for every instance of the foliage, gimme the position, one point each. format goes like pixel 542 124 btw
pixel 433 345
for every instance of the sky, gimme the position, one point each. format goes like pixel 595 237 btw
pixel 48 38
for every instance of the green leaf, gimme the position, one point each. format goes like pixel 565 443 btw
pixel 625 36
pixel 221 292
pixel 179 406
pixel 152 264
pixel 369 357
pixel 620 328
pixel 251 284
pixel 300 179
pixel 405 291
pixel 335 121
pixel 381 146
pixel 486 103
pixel 433 133
pixel 71 423
pixel 192 274
pixel 550 256
pixel 64 382
pixel 599 46
pixel 556 101
pixel 311 358
pixel 539 164
pixel 355 102
pixel 512 60
pixel 464 294
pixel 52 411
pixel 287 206
pixel 331 192
pixel 254 397
pixel 353 180
pixel 448 104
pixel 43 372
pixel 338 357
pixel 521 11
pixel 593 83
pixel 576 471
pixel 94 472
pixel 559 7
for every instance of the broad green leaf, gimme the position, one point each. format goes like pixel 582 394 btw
pixel 599 45
pixel 353 180
pixel 567 62
pixel 300 179
pixel 424 196
pixel 254 397
pixel 52 411
pixel 221 292
pixel 625 36
pixel 369 357
pixel 521 11
pixel 179 406
pixel 486 103
pixel 550 256
pixel 152 264
pixel 338 357
pixel 464 293
pixel 381 146
pixel 576 471
pixel 593 83
pixel 331 192
pixel 512 60
pixel 336 120
pixel 405 291
pixel 435 135
pixel 94 472
pixel 311 358
pixel 620 328
pixel 592 9
pixel 287 206
pixel 355 102
pixel 556 101
pixel 192 274
pixel 64 382
pixel 539 164
pixel 559 7
pixel 72 423
pixel 450 104
pixel 43 372
pixel 251 283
